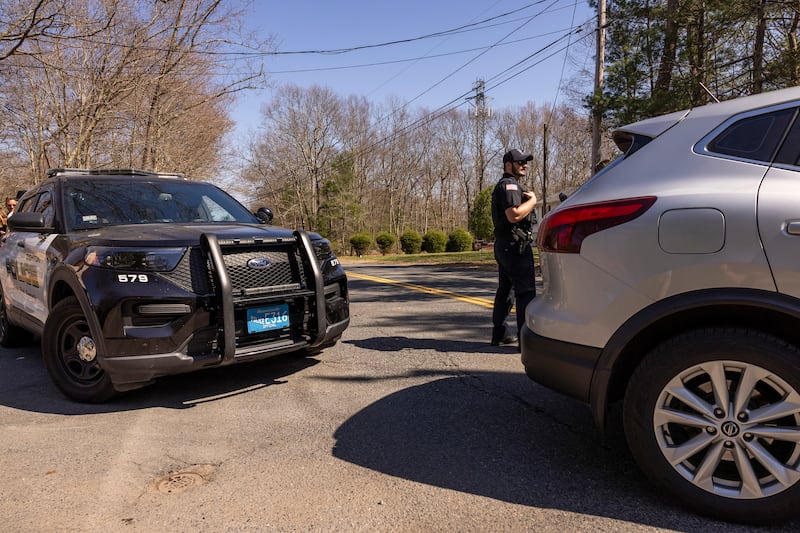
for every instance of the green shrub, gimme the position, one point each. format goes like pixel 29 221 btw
pixel 385 241
pixel 459 240
pixel 411 242
pixel 434 242
pixel 360 243
pixel 480 218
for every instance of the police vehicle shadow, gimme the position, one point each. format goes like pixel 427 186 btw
pixel 398 343
pixel 496 435
pixel 25 385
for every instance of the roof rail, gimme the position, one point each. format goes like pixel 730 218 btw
pixel 53 172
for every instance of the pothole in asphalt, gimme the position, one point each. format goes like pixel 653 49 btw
pixel 178 481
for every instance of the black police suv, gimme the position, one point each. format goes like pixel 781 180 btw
pixel 129 275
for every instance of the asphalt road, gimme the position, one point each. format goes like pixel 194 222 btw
pixel 413 422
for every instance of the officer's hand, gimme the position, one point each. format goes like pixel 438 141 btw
pixel 527 195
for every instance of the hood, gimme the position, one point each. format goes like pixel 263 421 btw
pixel 172 234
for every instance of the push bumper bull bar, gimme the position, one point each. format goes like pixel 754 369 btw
pixel 223 282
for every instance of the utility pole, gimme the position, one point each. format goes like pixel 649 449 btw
pixel 482 113
pixel 544 173
pixel 600 59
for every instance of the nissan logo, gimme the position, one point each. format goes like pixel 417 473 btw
pixel 730 429
pixel 258 263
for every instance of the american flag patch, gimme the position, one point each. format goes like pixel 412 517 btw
pixel 511 186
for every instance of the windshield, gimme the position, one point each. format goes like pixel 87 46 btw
pixel 93 203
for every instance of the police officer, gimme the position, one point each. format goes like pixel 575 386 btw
pixel 512 206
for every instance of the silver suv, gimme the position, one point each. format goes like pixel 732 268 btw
pixel 672 284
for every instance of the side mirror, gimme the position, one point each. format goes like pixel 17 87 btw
pixel 265 215
pixel 562 196
pixel 28 222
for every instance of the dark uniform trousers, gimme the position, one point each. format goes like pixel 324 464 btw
pixel 516 272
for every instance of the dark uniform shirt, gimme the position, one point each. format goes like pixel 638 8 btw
pixel 507 193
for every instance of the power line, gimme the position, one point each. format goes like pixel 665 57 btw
pixel 534 64
pixel 413 59
pixel 429 52
pixel 454 72
pixel 355 66
pixel 461 99
pixel 333 51
pixel 458 29
pixel 567 35
pixel 563 65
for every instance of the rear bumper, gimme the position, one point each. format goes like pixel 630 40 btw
pixel 559 365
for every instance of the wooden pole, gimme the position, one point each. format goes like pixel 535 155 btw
pixel 597 114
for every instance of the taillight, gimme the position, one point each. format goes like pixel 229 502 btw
pixel 564 231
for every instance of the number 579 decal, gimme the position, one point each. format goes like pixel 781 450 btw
pixel 132 278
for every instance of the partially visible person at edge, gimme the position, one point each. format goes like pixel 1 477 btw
pixel 11 204
pixel 512 205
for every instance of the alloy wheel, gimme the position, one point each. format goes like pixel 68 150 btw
pixel 731 428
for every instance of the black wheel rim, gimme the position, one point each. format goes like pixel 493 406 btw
pixel 77 369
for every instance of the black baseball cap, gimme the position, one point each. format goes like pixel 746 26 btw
pixel 516 155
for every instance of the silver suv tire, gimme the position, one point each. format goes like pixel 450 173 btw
pixel 713 417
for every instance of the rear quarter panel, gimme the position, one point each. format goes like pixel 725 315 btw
pixel 621 270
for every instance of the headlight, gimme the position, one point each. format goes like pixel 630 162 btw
pixel 143 259
pixel 322 249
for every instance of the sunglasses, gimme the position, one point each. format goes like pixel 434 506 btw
pixel 521 163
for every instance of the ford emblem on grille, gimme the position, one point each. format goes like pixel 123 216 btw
pixel 258 263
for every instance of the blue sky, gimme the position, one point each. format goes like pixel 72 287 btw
pixel 521 56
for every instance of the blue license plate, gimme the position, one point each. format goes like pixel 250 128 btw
pixel 261 319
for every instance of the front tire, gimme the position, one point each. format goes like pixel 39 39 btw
pixel 713 417
pixel 70 356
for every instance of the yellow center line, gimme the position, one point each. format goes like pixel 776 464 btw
pixel 483 302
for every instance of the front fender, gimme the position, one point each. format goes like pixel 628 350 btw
pixel 65 282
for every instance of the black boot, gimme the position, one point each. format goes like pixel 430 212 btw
pixel 500 336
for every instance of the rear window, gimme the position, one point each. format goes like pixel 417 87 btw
pixel 755 138
pixel 629 143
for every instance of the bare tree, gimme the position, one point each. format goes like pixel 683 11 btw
pixel 179 34
pixel 126 83
pixel 21 21
pixel 386 168
pixel 300 128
